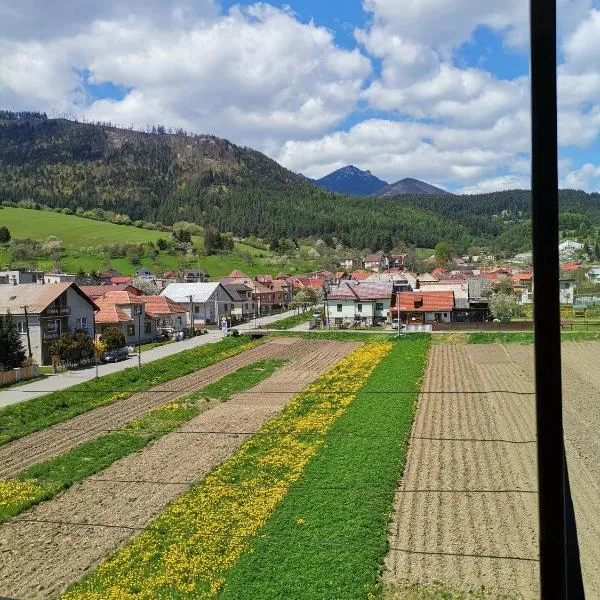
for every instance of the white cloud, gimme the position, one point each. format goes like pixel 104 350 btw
pixel 586 178
pixel 254 75
pixel 493 184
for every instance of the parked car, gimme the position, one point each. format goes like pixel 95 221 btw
pixel 115 355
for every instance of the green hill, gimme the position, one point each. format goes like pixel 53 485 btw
pixel 81 238
pixel 165 177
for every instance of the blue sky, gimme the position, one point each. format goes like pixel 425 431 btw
pixel 435 89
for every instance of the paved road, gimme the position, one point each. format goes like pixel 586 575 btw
pixel 70 378
pixel 257 323
pixel 65 380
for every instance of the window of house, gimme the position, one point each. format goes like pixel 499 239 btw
pixel 379 306
pixel 196 309
pixel 339 308
pixel 225 307
pixel 246 306
pixel 21 328
pixel 137 310
pixel 359 307
pixel 148 328
pixel 81 323
pixel 130 330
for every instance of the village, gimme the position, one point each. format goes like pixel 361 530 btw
pixel 374 291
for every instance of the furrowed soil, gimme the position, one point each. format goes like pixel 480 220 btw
pixel 23 453
pixel 466 512
pixel 42 554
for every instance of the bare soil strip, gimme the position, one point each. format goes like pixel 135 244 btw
pixel 581 415
pixel 42 445
pixel 42 559
pixel 466 512
pixel 486 535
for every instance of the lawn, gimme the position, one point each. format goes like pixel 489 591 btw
pixel 292 321
pixel 328 536
pixel 32 415
pixel 44 480
pixel 78 233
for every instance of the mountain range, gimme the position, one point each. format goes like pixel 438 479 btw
pixel 157 176
pixel 353 181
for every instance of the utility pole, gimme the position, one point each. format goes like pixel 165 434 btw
pixel 140 339
pixel 216 310
pixel 191 315
pixel 27 329
pixel 95 342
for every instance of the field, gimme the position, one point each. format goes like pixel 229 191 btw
pixel 465 513
pixel 78 233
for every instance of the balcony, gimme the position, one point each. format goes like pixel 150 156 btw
pixel 58 311
pixel 50 336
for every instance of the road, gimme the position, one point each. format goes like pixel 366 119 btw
pixel 65 380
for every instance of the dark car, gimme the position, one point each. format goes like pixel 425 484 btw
pixel 115 355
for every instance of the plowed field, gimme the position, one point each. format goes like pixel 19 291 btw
pixel 41 558
pixel 466 512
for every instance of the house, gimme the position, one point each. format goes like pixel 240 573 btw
pixel 359 275
pixel 568 248
pixel 170 317
pixel 59 278
pixel 351 263
pixel 396 261
pixel 120 279
pixel 205 301
pixel 566 290
pixel 144 273
pixel 593 274
pixel 354 302
pixel 45 312
pixel 97 291
pixel 242 305
pixel 127 312
pixel 194 275
pixel 20 276
pixel 376 262
pixel 524 258
pixel 460 288
pixel 263 297
pixel 422 306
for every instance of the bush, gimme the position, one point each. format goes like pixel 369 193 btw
pixel 112 338
pixel 73 347
pixel 4 235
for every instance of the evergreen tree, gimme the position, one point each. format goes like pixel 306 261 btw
pixel 12 353
pixel 4 235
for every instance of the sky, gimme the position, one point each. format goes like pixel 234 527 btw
pixel 432 89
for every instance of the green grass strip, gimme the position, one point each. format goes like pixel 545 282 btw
pixel 439 591
pixel 46 479
pixel 19 420
pixel 292 321
pixel 527 337
pixel 328 536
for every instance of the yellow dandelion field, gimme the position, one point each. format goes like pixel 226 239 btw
pixel 187 550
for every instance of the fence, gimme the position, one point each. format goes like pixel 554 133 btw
pixel 484 326
pixel 19 374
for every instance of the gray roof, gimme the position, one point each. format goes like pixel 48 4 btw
pixel 235 289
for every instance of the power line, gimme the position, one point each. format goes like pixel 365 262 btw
pixel 272 540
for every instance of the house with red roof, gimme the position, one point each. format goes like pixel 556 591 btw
pixel 127 312
pixel 423 306
pixel 359 302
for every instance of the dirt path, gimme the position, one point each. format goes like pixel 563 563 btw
pixel 25 452
pixel 466 512
pixel 41 559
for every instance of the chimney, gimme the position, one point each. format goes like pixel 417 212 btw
pixel 417 284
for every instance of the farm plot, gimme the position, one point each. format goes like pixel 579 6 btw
pixel 55 543
pixel 581 418
pixel 466 513
pixel 52 441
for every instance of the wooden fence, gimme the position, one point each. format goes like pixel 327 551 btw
pixel 19 374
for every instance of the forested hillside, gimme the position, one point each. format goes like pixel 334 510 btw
pixel 168 177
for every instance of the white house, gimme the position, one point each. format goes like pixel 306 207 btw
pixel 365 302
pixel 593 274
pixel 567 291
pixel 242 305
pixel 568 248
pixel 59 277
pixel 205 301
pixel 20 276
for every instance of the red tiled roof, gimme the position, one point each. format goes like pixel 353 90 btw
pixel 157 306
pixel 360 275
pixel 121 279
pixel 123 297
pixel 372 258
pixel 572 266
pixel 311 282
pixel 110 313
pixel 96 291
pixel 236 273
pixel 424 301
